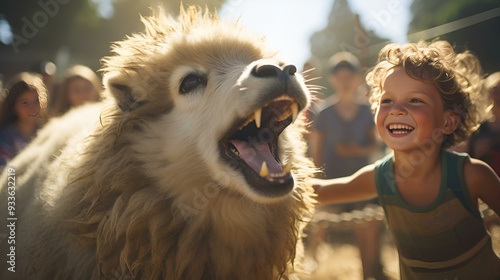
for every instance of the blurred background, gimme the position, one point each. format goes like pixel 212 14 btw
pixel 68 32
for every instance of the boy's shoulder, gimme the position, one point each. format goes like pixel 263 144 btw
pixel 477 170
pixel 482 183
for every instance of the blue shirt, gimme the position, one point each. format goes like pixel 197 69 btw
pixel 336 130
pixel 11 143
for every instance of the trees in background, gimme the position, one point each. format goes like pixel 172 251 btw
pixel 75 31
pixel 344 32
pixel 467 24
pixel 72 31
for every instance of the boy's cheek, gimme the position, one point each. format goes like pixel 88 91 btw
pixel 381 131
pixel 378 118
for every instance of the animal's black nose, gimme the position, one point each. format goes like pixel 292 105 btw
pixel 290 69
pixel 266 69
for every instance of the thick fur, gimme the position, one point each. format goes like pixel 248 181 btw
pixel 134 188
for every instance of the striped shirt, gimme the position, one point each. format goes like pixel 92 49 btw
pixel 445 240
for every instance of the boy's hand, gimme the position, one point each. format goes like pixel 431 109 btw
pixel 316 183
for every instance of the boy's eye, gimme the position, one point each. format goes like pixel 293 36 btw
pixel 416 100
pixel 385 101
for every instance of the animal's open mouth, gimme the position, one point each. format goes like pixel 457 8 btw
pixel 252 147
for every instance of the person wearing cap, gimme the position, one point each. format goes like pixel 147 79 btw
pixel 342 141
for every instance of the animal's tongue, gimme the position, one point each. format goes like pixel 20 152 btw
pixel 255 153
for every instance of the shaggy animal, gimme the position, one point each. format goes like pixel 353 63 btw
pixel 192 169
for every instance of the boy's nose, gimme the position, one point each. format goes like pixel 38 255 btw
pixel 397 110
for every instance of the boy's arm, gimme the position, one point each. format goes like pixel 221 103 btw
pixel 357 187
pixel 483 183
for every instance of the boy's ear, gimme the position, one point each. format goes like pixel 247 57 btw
pixel 451 121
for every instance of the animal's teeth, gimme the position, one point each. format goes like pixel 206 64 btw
pixel 257 114
pixel 277 175
pixel 287 167
pixel 295 111
pixel 235 151
pixel 263 170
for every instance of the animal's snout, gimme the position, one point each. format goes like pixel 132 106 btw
pixel 266 69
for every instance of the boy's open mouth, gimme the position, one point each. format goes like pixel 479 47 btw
pixel 400 129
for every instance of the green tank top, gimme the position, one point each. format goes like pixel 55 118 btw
pixel 445 240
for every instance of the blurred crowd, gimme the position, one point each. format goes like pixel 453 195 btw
pixel 29 99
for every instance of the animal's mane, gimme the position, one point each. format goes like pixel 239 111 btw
pixel 138 229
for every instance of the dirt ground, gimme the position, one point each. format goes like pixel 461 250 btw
pixel 338 258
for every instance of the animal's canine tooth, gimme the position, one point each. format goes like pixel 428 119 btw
pixel 263 170
pixel 257 115
pixel 292 110
pixel 287 167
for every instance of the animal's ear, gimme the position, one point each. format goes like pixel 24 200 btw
pixel 129 96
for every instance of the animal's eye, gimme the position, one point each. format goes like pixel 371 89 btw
pixel 192 82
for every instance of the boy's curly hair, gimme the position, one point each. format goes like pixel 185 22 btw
pixel 458 77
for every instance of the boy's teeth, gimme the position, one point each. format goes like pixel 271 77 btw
pixel 400 132
pixel 400 126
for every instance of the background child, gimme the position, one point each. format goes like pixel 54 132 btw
pixel 426 98
pixel 79 85
pixel 20 115
pixel 342 141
